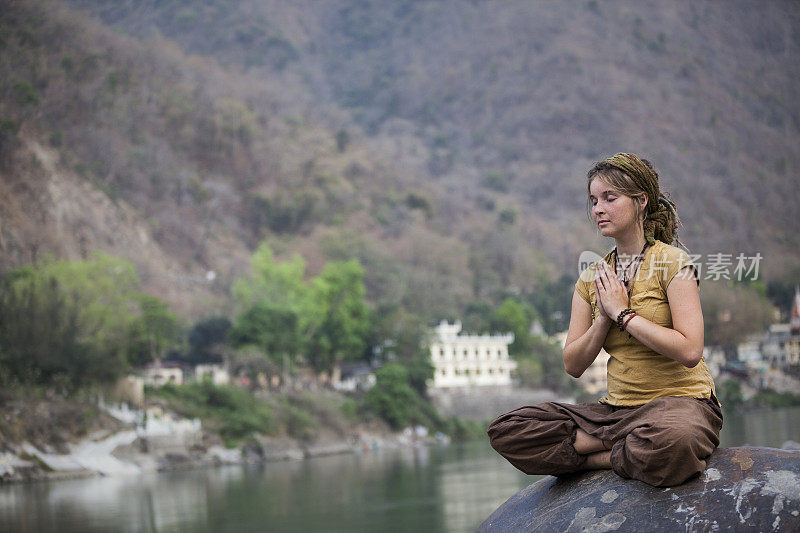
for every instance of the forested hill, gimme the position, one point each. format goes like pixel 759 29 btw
pixel 444 144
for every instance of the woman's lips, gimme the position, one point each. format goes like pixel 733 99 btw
pixel 602 222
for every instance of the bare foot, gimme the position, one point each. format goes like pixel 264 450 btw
pixel 586 444
pixel 598 460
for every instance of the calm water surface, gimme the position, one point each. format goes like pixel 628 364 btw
pixel 431 489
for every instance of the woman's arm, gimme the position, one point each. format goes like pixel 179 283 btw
pixel 684 341
pixel 584 338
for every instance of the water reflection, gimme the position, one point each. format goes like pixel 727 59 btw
pixel 449 488
pixel 471 488
pixel 437 489
pixel 761 427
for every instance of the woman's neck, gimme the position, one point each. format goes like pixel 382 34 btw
pixel 630 245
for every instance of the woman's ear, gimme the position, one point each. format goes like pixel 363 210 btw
pixel 643 203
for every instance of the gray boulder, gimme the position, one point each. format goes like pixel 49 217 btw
pixel 742 489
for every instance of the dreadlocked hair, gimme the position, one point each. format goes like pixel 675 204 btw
pixel 636 177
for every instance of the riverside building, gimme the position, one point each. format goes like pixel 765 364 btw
pixel 462 361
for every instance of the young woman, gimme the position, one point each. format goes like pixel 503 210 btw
pixel 660 419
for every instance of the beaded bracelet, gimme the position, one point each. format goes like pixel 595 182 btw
pixel 622 314
pixel 630 317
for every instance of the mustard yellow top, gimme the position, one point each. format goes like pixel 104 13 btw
pixel 637 374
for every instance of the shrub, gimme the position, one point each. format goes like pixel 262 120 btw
pixel 232 411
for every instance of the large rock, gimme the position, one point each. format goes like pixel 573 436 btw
pixel 743 489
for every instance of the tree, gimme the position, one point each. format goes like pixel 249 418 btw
pixel 392 398
pixel 732 311
pixel 327 319
pixel 401 337
pixel 273 330
pixel 514 317
pixel 730 393
pixel 278 311
pixel 38 333
pixel 280 284
pixel 552 301
pixel 539 361
pixel 204 336
pixel 338 317
pixel 68 321
pixel 154 332
pixel 551 359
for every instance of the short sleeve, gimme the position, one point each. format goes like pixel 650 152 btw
pixel 582 285
pixel 674 262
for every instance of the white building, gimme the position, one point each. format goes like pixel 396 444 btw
pixel 158 373
pixel 355 377
pixel 715 360
pixel 778 347
pixel 218 374
pixel 470 360
pixel 595 378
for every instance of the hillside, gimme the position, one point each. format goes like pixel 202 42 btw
pixel 432 140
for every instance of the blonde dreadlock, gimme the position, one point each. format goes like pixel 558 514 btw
pixel 636 177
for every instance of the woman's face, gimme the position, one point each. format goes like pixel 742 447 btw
pixel 614 213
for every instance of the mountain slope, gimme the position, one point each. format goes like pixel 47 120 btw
pixel 445 144
pixel 529 94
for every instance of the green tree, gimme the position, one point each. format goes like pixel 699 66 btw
pixel 277 308
pixel 107 290
pixel 550 357
pixel 730 393
pixel 272 330
pixel 337 324
pixel 326 319
pixel 155 332
pixel 539 361
pixel 205 336
pixel 515 317
pixel 38 334
pixel 396 335
pixel 552 301
pixel 392 398
pixel 280 284
pixel 68 320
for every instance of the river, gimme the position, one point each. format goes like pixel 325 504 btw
pixel 448 488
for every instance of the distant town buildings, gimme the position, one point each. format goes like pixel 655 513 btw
pixel 777 347
pixel 469 360
pixel 595 378
pixel 355 377
pixel 216 373
pixel 794 320
pixel 160 373
pixel 765 360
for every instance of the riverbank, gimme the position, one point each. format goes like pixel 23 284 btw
pixel 49 439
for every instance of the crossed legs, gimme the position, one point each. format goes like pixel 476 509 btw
pixel 597 451
pixel 662 443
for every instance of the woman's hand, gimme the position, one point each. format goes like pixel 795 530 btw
pixel 612 296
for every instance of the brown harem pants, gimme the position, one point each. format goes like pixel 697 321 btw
pixel 663 443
